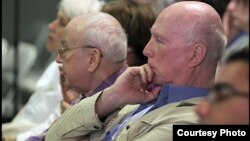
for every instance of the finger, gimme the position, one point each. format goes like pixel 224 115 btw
pixel 143 74
pixel 134 71
pixel 149 96
pixel 156 90
pixel 60 69
pixel 149 72
pixel 139 71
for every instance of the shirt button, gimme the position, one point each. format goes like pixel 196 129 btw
pixel 96 127
pixel 127 127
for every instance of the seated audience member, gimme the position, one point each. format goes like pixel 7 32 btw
pixel 236 25
pixel 43 106
pixel 186 43
pixel 157 5
pixel 92 53
pixel 239 10
pixel 228 99
pixel 132 16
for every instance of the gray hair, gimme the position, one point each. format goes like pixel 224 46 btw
pixel 217 41
pixel 103 31
pixel 73 8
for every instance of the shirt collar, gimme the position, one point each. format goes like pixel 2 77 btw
pixel 236 37
pixel 174 93
pixel 110 80
pixel 105 83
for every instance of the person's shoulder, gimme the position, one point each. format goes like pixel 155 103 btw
pixel 182 110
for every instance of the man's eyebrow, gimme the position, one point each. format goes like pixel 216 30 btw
pixel 63 20
pixel 155 32
pixel 151 31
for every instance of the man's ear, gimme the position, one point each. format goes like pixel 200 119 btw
pixel 95 60
pixel 198 55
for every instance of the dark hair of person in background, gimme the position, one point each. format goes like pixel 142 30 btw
pixel 136 19
pixel 219 5
pixel 242 55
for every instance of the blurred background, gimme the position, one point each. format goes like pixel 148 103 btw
pixel 24 32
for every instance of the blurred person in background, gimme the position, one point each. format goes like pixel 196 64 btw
pixel 239 10
pixel 132 16
pixel 236 26
pixel 44 105
pixel 157 5
pixel 228 99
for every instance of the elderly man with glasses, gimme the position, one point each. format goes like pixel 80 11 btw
pixel 92 55
pixel 228 100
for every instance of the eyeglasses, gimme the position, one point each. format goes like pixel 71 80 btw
pixel 221 91
pixel 63 50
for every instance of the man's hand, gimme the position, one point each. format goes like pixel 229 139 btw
pixel 132 87
pixel 69 95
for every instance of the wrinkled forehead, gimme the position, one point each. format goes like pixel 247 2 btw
pixel 75 25
pixel 163 21
pixel 71 34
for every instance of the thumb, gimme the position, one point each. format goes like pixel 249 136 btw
pixel 153 94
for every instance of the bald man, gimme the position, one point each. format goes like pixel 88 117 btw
pixel 186 43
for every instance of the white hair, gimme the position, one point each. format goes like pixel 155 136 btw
pixel 103 31
pixel 73 8
pixel 218 40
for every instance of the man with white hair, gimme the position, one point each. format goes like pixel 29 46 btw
pixel 44 105
pixel 93 54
